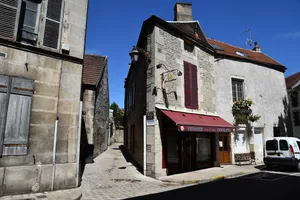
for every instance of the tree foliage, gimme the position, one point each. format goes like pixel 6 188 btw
pixel 118 114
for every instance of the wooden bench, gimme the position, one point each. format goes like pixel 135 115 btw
pixel 244 157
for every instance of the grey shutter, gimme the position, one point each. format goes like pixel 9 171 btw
pixel 18 117
pixel 4 80
pixel 9 18
pixel 52 23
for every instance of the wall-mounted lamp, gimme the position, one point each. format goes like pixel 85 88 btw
pixel 179 73
pixel 136 51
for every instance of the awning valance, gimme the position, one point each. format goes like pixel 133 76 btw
pixel 198 123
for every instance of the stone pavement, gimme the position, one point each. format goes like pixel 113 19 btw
pixel 71 194
pixel 111 177
pixel 210 174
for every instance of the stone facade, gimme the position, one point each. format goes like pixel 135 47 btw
pixel 266 87
pixel 56 95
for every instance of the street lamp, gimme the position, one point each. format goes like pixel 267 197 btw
pixel 134 54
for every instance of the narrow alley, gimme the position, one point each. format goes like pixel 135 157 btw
pixel 111 177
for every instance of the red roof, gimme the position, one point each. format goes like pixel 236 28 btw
pixel 291 80
pixel 92 68
pixel 229 50
pixel 198 123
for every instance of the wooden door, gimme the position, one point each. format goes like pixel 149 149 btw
pixel 224 148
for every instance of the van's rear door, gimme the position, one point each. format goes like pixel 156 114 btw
pixel 271 148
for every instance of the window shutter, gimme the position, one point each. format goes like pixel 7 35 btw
pixel 9 18
pixel 187 85
pixel 4 80
pixel 52 23
pixel 18 117
pixel 194 87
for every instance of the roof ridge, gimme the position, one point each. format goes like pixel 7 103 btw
pixel 295 74
pixel 193 21
pixel 235 46
pixel 95 55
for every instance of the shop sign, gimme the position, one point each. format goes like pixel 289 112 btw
pixel 204 129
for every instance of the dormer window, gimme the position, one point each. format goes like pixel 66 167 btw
pixel 240 54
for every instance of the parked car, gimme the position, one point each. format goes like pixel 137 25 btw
pixel 282 151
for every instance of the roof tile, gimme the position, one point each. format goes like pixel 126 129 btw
pixel 92 68
pixel 291 80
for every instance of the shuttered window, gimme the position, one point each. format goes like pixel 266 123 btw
pixel 190 86
pixel 15 100
pixel 52 23
pixel 9 10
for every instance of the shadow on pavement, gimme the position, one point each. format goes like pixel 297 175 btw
pixel 261 185
pixel 128 157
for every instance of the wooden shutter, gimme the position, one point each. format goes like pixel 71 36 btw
pixel 18 117
pixel 52 23
pixel 194 87
pixel 9 18
pixel 4 80
pixel 187 85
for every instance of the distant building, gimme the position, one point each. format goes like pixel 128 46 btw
pixel 187 92
pixel 41 60
pixel 95 105
pixel 293 87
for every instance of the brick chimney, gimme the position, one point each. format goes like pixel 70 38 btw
pixel 256 47
pixel 183 12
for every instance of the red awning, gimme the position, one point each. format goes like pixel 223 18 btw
pixel 198 123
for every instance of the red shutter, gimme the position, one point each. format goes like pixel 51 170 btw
pixel 187 85
pixel 194 87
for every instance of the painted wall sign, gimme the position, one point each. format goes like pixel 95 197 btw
pixel 204 129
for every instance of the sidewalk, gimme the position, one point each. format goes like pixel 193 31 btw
pixel 71 194
pixel 210 174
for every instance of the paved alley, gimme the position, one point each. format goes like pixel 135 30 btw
pixel 111 177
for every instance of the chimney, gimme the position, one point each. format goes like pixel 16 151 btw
pixel 183 12
pixel 256 47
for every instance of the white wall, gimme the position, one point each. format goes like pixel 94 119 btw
pixel 265 86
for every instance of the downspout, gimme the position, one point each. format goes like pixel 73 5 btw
pixel 145 143
pixel 54 153
pixel 78 145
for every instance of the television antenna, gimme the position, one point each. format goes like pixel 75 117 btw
pixel 249 40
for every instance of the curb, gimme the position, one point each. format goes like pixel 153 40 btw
pixel 215 178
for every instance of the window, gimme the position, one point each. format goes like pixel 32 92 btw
pixel 237 89
pixel 298 143
pixel 188 47
pixel 190 86
pixel 283 145
pixel 295 99
pixel 296 116
pixel 15 108
pixel 19 21
pixel 272 145
pixel 29 21
pixel 203 149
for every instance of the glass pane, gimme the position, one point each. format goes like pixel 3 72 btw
pixel 203 149
pixel 30 18
pixel 283 145
pixel 225 143
pixel 220 143
pixel 31 5
pixel 271 145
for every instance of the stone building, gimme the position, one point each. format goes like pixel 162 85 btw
pixel 178 84
pixel 41 56
pixel 95 105
pixel 293 87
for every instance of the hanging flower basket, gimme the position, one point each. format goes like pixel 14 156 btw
pixel 242 112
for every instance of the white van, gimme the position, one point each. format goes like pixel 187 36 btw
pixel 282 151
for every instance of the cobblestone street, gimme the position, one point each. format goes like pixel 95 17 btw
pixel 111 177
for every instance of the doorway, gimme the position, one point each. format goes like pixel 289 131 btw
pixel 224 148
pixel 186 152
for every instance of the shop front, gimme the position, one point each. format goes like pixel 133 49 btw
pixel 192 141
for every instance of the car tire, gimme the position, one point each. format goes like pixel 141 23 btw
pixel 269 166
pixel 297 167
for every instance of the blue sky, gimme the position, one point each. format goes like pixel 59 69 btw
pixel 114 27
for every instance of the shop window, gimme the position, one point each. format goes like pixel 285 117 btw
pixel 203 149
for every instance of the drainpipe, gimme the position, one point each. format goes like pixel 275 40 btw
pixel 145 142
pixel 78 145
pixel 54 153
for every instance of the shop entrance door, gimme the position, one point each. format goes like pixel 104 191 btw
pixel 186 152
pixel 224 148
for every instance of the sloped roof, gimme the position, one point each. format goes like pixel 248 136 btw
pixel 230 50
pixel 189 28
pixel 92 68
pixel 291 80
